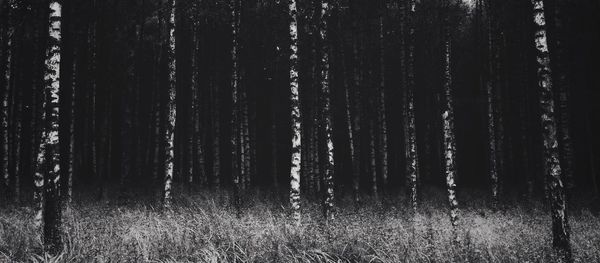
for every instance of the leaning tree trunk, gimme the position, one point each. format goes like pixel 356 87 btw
pixel 296 118
pixel 448 124
pixel 556 190
pixel 48 165
pixel 171 111
pixel 327 114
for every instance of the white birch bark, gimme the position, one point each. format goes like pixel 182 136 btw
pixel 448 125
pixel 382 119
pixel 296 118
pixel 48 165
pixel 327 114
pixel 5 94
pixel 556 189
pixel 171 108
pixel 410 108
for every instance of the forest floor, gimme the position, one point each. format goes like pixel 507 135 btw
pixel 204 228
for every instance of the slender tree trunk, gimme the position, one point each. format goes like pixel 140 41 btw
pixel 491 119
pixel 194 138
pixel 327 114
pixel 558 202
pixel 216 142
pixel 373 160
pixel 48 157
pixel 171 110
pixel 448 124
pixel 356 121
pixel 236 144
pixel 412 164
pixel 17 144
pixel 69 197
pixel 5 96
pixel 382 119
pixel 296 117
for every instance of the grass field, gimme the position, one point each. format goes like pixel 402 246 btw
pixel 203 228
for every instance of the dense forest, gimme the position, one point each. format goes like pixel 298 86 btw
pixel 339 103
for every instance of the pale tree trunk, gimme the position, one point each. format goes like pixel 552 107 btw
pixel 348 123
pixel 556 190
pixel 107 142
pixel 171 111
pixel 372 159
pixel 17 145
pixel 274 157
pixel 381 116
pixel 69 197
pixel 48 165
pixel 236 144
pixel 5 96
pixel 216 143
pixel 327 114
pixel 296 118
pixel 356 121
pixel 245 139
pixel 195 118
pixel 491 120
pixel 448 124
pixel 94 90
pixel 412 164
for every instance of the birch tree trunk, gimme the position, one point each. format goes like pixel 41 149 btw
pixel 412 163
pixel 48 165
pixel 236 143
pixel 556 190
pixel 448 124
pixel 216 165
pixel 296 117
pixel 382 119
pixel 356 121
pixel 5 96
pixel 69 197
pixel 327 114
pixel 171 110
pixel 491 120
pixel 17 146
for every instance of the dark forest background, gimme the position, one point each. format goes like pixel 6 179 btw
pixel 130 80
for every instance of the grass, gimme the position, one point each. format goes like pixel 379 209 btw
pixel 203 228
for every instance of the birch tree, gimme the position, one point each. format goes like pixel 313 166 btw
pixel 5 97
pixel 491 120
pixel 295 113
pixel 327 115
pixel 48 165
pixel 171 109
pixel 411 131
pixel 448 126
pixel 236 143
pixel 381 116
pixel 554 181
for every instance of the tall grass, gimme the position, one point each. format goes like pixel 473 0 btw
pixel 204 228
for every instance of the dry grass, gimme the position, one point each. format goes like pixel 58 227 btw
pixel 203 228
